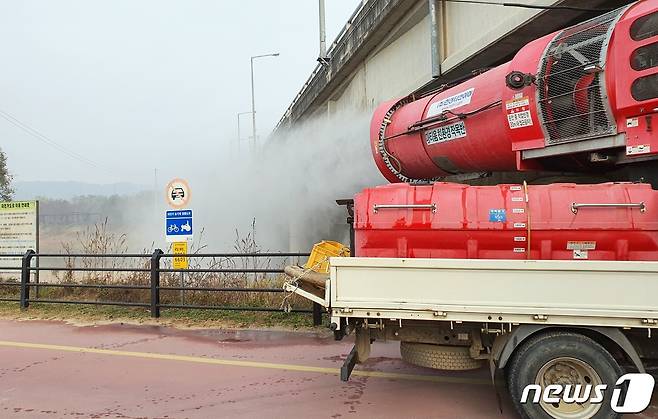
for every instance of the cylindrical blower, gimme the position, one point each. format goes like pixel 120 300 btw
pixel 608 221
pixel 582 99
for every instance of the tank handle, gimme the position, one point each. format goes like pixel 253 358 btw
pixel 377 207
pixel 575 207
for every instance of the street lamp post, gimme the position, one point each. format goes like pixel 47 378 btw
pixel 323 34
pixel 240 135
pixel 253 98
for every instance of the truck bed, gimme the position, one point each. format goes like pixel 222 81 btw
pixel 497 292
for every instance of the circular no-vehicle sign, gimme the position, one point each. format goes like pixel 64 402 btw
pixel 178 193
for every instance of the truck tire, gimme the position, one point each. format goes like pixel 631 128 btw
pixel 562 358
pixel 452 358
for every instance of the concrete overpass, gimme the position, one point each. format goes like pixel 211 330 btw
pixel 385 50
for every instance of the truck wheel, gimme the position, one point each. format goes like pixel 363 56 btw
pixel 562 358
pixel 453 358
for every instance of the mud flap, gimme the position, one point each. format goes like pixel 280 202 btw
pixel 348 365
pixel 493 369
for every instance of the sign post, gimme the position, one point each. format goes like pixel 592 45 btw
pixel 179 227
pixel 178 231
pixel 181 262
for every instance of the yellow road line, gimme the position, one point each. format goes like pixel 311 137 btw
pixel 248 364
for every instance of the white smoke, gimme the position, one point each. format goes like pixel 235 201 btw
pixel 289 186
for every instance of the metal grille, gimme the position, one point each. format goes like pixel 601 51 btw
pixel 571 82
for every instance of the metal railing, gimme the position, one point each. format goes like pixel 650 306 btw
pixel 155 269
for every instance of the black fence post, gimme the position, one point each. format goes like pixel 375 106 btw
pixel 25 278
pixel 155 282
pixel 350 221
pixel 317 314
pixel 349 206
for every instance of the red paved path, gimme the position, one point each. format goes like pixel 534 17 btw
pixel 51 382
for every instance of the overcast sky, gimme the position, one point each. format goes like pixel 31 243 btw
pixel 135 85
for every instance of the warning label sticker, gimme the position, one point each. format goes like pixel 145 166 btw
pixel 638 149
pixel 518 112
pixel 580 254
pixel 585 245
pixel 497 215
pixel 446 133
pixel 632 122
pixel 519 119
pixel 452 102
pixel 517 103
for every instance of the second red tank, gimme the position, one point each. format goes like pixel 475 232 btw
pixel 609 221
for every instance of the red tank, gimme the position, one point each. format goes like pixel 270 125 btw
pixel 609 221
pixel 581 99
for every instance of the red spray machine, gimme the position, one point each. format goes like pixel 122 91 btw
pixel 584 99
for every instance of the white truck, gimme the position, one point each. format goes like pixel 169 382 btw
pixel 540 322
pixel 576 103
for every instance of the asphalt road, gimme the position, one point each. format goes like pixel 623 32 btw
pixel 51 369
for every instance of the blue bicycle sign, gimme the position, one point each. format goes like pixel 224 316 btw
pixel 178 225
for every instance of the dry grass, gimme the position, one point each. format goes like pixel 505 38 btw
pixel 99 239
pixel 83 315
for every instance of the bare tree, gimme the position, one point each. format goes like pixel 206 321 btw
pixel 6 191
